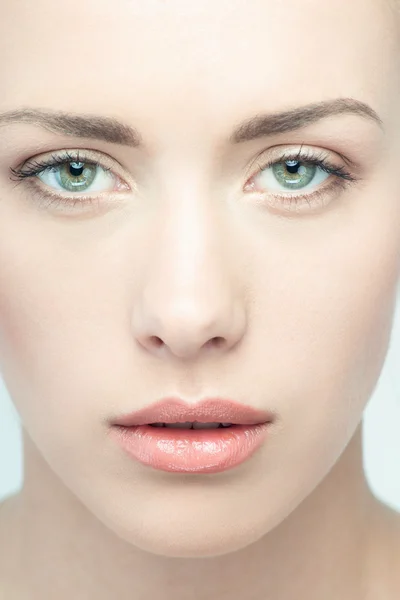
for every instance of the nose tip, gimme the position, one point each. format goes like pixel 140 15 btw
pixel 209 327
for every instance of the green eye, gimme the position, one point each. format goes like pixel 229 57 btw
pixel 290 175
pixel 76 177
pixel 293 174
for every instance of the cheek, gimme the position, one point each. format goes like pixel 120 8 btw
pixel 66 359
pixel 61 321
pixel 327 342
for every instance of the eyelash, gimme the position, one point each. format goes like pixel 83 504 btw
pixel 317 198
pixel 33 167
pixel 342 177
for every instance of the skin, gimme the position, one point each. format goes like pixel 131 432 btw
pixel 96 319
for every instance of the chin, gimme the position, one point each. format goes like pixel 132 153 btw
pixel 186 530
pixel 187 542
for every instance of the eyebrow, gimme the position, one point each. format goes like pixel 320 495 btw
pixel 297 118
pixel 110 129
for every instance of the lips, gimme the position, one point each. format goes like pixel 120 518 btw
pixel 208 437
pixel 191 451
pixel 210 410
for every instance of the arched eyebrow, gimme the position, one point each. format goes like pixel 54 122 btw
pixel 297 118
pixel 110 129
pixel 107 129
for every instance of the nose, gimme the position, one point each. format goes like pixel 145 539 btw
pixel 190 301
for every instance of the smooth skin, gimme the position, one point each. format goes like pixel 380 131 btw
pixel 192 275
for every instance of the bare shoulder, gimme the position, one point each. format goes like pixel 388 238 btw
pixel 395 523
pixel 8 587
pixel 384 562
pixel 394 554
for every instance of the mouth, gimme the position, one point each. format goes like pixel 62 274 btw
pixel 193 425
pixel 209 437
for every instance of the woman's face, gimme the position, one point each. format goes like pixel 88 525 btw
pixel 189 238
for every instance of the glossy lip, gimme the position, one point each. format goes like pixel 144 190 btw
pixel 208 410
pixel 194 451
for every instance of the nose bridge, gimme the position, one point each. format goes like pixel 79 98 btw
pixel 192 253
pixel 188 296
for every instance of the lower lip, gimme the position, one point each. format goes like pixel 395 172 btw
pixel 191 450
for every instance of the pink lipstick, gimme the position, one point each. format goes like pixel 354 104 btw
pixel 209 437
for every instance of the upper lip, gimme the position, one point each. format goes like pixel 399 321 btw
pixel 208 410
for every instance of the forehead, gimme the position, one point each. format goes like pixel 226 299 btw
pixel 197 60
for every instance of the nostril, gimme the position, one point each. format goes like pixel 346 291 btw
pixel 216 342
pixel 156 341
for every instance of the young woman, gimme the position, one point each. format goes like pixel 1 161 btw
pixel 199 266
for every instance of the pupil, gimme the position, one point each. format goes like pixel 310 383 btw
pixel 76 171
pixel 292 166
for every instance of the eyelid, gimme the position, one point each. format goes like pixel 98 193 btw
pixel 316 198
pixel 64 155
pixel 281 153
pixel 71 203
pixel 94 155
